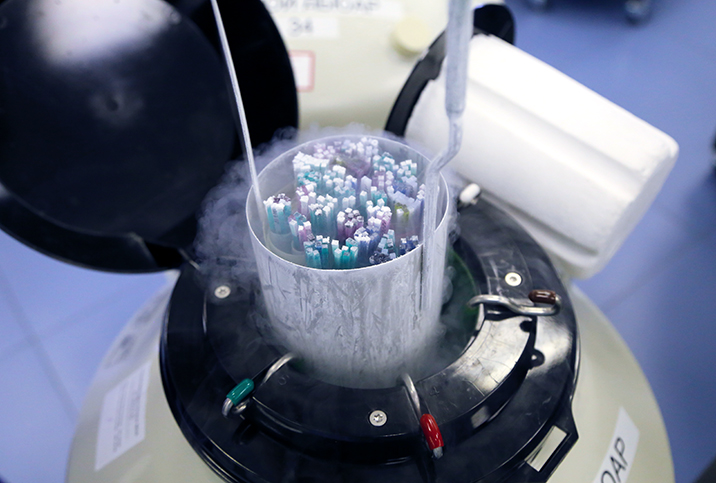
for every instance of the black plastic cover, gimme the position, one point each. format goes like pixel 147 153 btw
pixel 116 119
pixel 297 428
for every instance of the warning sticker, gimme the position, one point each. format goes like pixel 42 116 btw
pixel 372 8
pixel 303 63
pixel 123 417
pixel 308 27
pixel 620 454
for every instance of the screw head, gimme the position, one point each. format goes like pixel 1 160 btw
pixel 513 279
pixel 222 291
pixel 378 418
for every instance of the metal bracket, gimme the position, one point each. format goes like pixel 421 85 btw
pixel 550 303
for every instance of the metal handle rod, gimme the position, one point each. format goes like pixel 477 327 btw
pixel 516 306
pixel 276 366
pixel 412 392
pixel 248 147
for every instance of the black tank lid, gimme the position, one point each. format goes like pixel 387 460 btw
pixel 116 119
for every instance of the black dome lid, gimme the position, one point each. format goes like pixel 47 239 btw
pixel 116 120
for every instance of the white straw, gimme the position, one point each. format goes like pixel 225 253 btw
pixel 248 148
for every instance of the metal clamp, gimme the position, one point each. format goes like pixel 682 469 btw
pixel 229 407
pixel 237 399
pixel 550 301
pixel 276 366
pixel 428 425
pixel 412 392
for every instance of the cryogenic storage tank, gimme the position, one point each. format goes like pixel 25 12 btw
pixel 541 387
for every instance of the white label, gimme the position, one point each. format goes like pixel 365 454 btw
pixel 303 63
pixel 122 422
pixel 622 449
pixel 373 8
pixel 308 27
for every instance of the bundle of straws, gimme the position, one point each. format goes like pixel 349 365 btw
pixel 354 206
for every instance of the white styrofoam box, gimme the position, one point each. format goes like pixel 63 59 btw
pixel 575 169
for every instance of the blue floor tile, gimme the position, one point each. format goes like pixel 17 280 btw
pixel 52 292
pixel 655 242
pixel 690 22
pixel 11 333
pixel 35 431
pixel 690 191
pixel 77 348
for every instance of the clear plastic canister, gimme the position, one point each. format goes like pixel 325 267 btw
pixel 358 327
